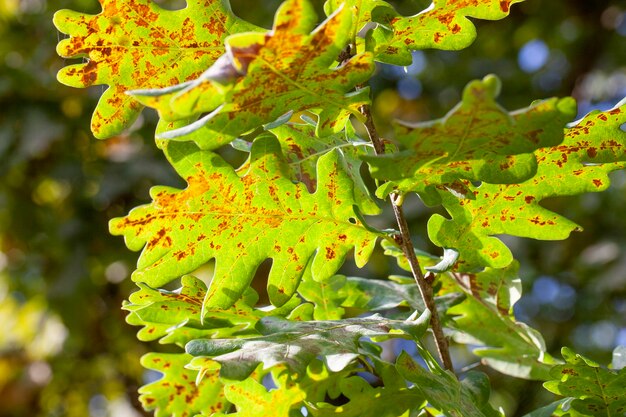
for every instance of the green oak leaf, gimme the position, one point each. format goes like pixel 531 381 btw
pixel 176 316
pixel 361 11
pixel 135 44
pixel 252 399
pixel 241 220
pixel 177 394
pixel 444 391
pixel 287 69
pixel 326 296
pixel 485 321
pixel 302 149
pixel 443 25
pixel 296 344
pixel 392 399
pixel 592 148
pixel 477 140
pixel 597 391
pixel 367 401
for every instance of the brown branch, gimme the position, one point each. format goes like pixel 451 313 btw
pixel 404 240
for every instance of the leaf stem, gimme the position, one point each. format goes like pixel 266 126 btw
pixel 404 240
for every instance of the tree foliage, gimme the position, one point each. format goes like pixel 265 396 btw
pixel 294 99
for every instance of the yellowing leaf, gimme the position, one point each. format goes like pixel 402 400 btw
pixel 443 25
pixel 477 140
pixel 302 149
pixel 243 220
pixel 135 44
pixel 176 393
pixel 269 75
pixel 592 148
pixel 253 400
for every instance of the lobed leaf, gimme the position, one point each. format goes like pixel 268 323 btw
pixel 592 148
pixel 477 141
pixel 302 150
pixel 443 25
pixel 444 391
pixel 252 399
pixel 135 44
pixel 243 220
pixel 485 321
pixel 296 344
pixel 367 401
pixel 269 75
pixel 176 394
pixel 597 391
pixel 176 316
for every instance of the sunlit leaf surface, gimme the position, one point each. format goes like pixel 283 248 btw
pixel 135 44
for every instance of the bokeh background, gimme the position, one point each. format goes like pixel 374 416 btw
pixel 65 349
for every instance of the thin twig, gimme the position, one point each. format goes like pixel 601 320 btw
pixel 405 242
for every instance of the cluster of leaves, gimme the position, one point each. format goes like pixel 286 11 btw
pixel 294 99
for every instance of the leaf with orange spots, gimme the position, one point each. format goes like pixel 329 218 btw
pixel 597 391
pixel 176 393
pixel 176 316
pixel 444 25
pixel 242 220
pixel 135 44
pixel 296 344
pixel 477 140
pixel 263 76
pixel 253 400
pixel 592 148
pixel 485 321
pixel 361 11
pixel 302 149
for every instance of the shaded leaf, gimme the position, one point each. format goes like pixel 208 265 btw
pixel 444 391
pixel 287 69
pixel 598 391
pixel 243 220
pixel 592 148
pixel 367 401
pixel 547 411
pixel 135 44
pixel 477 141
pixel 176 394
pixel 485 321
pixel 176 316
pixel 443 25
pixel 327 296
pixel 296 344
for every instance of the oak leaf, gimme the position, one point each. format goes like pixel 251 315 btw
pixel 135 44
pixel 263 76
pixel 593 147
pixel 443 25
pixel 477 140
pixel 243 220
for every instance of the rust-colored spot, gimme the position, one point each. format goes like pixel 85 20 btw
pixel 529 199
pixel 330 253
pixel 592 152
pixel 505 5
pixel 597 182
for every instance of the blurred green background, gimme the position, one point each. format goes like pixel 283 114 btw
pixel 65 349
